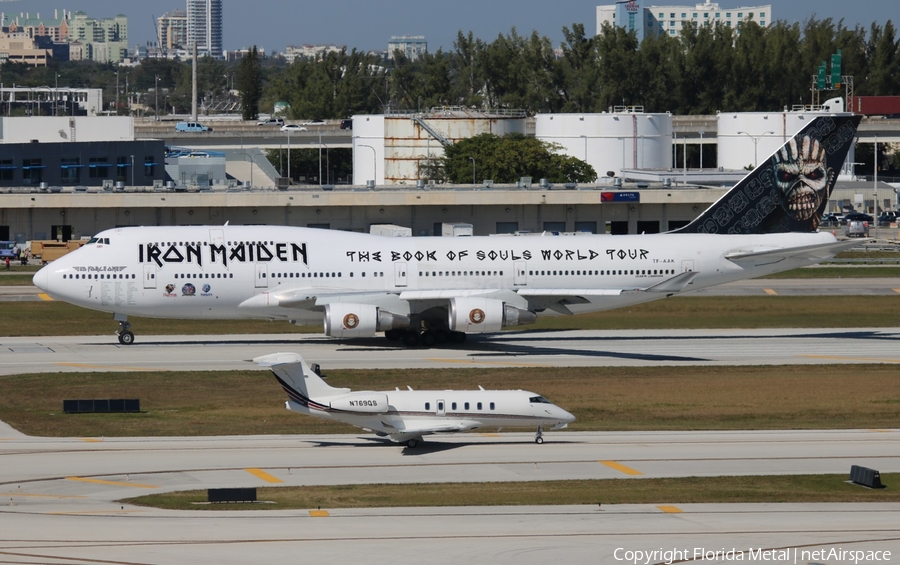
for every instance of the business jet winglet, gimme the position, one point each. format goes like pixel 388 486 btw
pixel 407 415
pixel 432 290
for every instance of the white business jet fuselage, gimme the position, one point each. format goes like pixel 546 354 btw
pixel 428 289
pixel 408 415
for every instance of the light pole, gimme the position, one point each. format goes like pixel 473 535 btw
pixel 289 153
pixel 132 170
pixel 473 169
pixel 701 149
pixel 55 93
pixel 156 96
pixel 117 93
pixel 250 158
pixel 755 139
pixel 875 187
pixel 374 161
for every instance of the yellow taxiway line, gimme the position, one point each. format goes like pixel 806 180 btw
pixel 621 468
pixel 45 296
pixel 260 474
pixel 113 483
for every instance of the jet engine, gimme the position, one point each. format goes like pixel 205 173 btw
pixel 472 314
pixel 367 402
pixel 359 320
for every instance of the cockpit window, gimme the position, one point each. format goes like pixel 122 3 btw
pixel 104 240
pixel 539 400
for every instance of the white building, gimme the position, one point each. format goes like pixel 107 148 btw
pixel 661 19
pixel 292 52
pixel 204 26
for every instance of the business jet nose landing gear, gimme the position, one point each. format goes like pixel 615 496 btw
pixel 124 331
pixel 539 436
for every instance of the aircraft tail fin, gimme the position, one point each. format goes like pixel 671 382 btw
pixel 297 378
pixel 788 192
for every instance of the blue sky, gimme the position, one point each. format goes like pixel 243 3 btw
pixel 368 24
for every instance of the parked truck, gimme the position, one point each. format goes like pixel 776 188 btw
pixel 49 250
pixel 456 229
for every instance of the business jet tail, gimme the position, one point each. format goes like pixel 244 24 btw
pixel 298 380
pixel 788 192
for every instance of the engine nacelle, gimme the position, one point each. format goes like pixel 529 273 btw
pixel 359 320
pixel 366 402
pixel 473 314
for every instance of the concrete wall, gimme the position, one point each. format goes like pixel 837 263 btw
pixel 66 129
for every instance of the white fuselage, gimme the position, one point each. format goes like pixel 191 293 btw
pixel 276 272
pixel 461 410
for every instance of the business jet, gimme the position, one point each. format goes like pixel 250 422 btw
pixel 407 415
pixel 427 290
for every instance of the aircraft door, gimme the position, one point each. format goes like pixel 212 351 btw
pixel 521 278
pixel 216 237
pixel 149 276
pixel 262 275
pixel 687 266
pixel 400 274
pixel 441 410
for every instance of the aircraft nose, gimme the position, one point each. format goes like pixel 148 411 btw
pixel 567 417
pixel 41 279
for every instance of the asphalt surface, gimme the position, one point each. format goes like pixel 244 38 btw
pixel 62 498
pixel 58 496
pixel 532 349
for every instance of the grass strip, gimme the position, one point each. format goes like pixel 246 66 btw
pixel 197 403
pixel 689 490
pixel 685 312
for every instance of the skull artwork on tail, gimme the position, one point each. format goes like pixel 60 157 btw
pixel 803 178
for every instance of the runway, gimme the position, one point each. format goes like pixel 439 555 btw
pixel 57 496
pixel 547 349
pixel 61 495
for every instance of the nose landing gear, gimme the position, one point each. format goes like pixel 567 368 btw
pixel 539 436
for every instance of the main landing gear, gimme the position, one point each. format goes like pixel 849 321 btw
pixel 427 338
pixel 124 331
pixel 539 437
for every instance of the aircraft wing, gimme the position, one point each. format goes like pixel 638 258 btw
pixel 413 429
pixel 807 253
pixel 559 299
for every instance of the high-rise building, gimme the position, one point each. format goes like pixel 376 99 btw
pixel 204 26
pixel 171 30
pixel 412 46
pixel 645 20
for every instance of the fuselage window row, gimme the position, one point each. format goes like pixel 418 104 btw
pixel 98 277
pixel 478 406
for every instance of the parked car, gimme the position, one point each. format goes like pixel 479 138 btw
pixel 293 127
pixel 887 218
pixel 346 124
pixel 831 219
pixel 315 122
pixel 271 122
pixel 191 127
pixel 857 228
pixel 857 217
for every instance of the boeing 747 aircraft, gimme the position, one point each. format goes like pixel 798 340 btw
pixel 424 290
pixel 407 415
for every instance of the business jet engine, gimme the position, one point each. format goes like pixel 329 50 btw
pixel 360 320
pixel 472 314
pixel 367 402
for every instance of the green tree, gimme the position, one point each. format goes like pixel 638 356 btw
pixel 579 70
pixel 249 84
pixel 508 158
